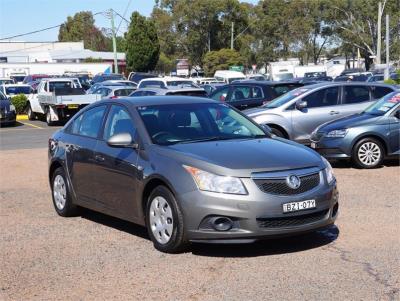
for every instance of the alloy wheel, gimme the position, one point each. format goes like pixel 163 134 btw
pixel 369 153
pixel 59 192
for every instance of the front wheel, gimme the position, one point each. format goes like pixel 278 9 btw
pixel 368 153
pixel 61 194
pixel 277 132
pixel 164 221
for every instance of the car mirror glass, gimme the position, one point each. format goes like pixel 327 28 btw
pixel 122 140
pixel 301 104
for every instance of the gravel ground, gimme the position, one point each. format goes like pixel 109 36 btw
pixel 95 257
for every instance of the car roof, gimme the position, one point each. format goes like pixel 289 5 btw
pixel 160 100
pixel 334 84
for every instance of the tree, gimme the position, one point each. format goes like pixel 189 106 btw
pixel 81 27
pixel 221 60
pixel 142 45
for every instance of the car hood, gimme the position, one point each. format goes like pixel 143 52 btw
pixel 240 158
pixel 348 122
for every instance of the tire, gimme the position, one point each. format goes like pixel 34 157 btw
pixel 31 114
pixel 368 153
pixel 165 226
pixel 48 117
pixel 277 132
pixel 61 195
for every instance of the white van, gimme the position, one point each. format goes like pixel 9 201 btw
pixel 228 76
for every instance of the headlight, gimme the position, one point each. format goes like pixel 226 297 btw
pixel 337 133
pixel 210 182
pixel 12 108
pixel 330 177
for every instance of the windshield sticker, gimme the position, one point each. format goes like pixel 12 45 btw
pixel 384 109
pixel 395 98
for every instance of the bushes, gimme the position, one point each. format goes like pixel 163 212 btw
pixel 19 101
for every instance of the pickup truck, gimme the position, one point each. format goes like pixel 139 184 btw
pixel 58 99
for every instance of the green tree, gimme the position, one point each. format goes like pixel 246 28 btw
pixel 81 27
pixel 221 60
pixel 142 45
pixel 165 64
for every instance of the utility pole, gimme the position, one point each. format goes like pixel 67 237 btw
pixel 378 46
pixel 387 48
pixel 111 13
pixel 232 28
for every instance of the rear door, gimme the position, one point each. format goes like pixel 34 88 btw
pixel 115 168
pixel 83 135
pixel 245 96
pixel 321 107
pixel 355 99
pixel 394 134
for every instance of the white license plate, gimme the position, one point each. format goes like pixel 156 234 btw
pixel 297 206
pixel 313 145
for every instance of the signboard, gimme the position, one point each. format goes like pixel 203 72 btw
pixel 236 68
pixel 182 67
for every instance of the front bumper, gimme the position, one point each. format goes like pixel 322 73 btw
pixel 332 148
pixel 9 117
pixel 257 215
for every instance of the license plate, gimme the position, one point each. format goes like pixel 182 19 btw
pixel 297 206
pixel 313 145
pixel 73 106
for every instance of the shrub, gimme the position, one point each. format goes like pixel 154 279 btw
pixel 19 101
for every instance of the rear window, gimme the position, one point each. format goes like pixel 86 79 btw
pixel 152 83
pixel 60 85
pixel 18 90
pixel 355 94
pixel 189 93
pixel 183 83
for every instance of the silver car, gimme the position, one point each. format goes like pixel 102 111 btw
pixel 113 91
pixel 189 169
pixel 297 113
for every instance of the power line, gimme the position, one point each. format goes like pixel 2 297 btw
pixel 126 10
pixel 39 30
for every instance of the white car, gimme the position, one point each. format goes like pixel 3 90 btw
pixel 14 89
pixel 228 76
pixel 167 82
pixel 6 81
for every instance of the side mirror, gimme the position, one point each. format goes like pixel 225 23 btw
pixel 301 104
pixel 122 140
pixel 267 130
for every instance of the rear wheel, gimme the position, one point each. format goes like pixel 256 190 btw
pixel 164 221
pixel 368 153
pixel 31 114
pixel 61 194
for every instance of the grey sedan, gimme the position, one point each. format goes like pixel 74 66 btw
pixel 189 169
pixel 296 114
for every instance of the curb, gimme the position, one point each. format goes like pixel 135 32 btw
pixel 22 117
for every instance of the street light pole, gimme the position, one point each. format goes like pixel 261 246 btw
pixel 111 12
pixel 387 48
pixel 232 28
pixel 378 46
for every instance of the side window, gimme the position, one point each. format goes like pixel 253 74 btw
pixel 45 87
pixel 257 92
pixel 379 92
pixel 89 123
pixel 137 93
pixel 104 92
pixel 323 98
pixel 355 94
pixel 221 94
pixel 118 121
pixel 240 93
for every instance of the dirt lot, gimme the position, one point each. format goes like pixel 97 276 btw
pixel 94 257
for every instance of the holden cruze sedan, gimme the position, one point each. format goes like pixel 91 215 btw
pixel 366 138
pixel 189 169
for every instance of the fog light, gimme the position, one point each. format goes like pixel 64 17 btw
pixel 221 223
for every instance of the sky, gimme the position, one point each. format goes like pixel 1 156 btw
pixel 22 16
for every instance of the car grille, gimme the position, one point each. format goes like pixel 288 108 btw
pixel 280 187
pixel 291 221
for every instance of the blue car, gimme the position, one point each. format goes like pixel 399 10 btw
pixel 366 138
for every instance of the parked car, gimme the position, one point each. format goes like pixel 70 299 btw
pixel 381 77
pixel 8 116
pixel 113 91
pixel 251 93
pixel 366 138
pixel 94 87
pixel 166 82
pixel 10 90
pixel 120 83
pixel 160 91
pixel 6 81
pixel 167 163
pixel 353 77
pixel 138 76
pixel 18 78
pixel 98 78
pixel 296 114
pixel 228 76
pixel 209 88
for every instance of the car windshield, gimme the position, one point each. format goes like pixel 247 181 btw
pixel 383 105
pixel 18 90
pixel 196 122
pixel 285 98
pixel 283 76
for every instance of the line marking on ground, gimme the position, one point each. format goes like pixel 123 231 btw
pixel 33 125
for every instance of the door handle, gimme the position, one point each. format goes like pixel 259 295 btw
pixel 243 106
pixel 99 158
pixel 334 112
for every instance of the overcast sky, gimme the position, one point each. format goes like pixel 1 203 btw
pixel 22 16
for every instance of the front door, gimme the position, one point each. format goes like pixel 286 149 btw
pixel 322 106
pixel 115 168
pixel 394 134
